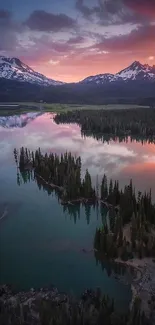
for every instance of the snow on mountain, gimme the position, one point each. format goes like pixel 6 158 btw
pixel 18 121
pixel 99 79
pixel 14 69
pixel 136 71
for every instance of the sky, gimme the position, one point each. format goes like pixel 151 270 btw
pixel 68 40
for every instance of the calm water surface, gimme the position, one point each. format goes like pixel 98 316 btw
pixel 40 244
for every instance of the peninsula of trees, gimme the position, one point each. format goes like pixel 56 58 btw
pixel 130 231
pixel 129 228
pixel 113 124
pixel 60 172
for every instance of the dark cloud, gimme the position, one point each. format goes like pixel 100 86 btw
pixel 41 20
pixel 112 12
pixel 76 40
pixel 108 11
pixel 142 7
pixel 141 40
pixel 8 30
pixel 4 14
pixel 20 38
pixel 85 10
pixel 14 41
pixel 45 49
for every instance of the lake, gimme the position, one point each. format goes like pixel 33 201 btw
pixel 40 243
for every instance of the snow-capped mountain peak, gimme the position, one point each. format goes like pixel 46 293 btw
pixel 99 79
pixel 136 71
pixel 14 69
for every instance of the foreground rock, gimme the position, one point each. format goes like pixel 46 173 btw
pixel 49 307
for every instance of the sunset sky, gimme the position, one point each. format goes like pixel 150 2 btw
pixel 69 40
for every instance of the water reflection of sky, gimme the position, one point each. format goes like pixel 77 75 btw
pixel 37 234
pixel 118 160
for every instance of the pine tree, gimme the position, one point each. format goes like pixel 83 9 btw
pixel 104 188
pixel 110 188
pixel 87 185
pixel 22 159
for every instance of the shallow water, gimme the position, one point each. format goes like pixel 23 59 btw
pixel 40 244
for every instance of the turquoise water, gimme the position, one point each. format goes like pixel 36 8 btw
pixel 40 244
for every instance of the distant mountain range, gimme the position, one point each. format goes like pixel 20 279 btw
pixel 18 82
pixel 14 69
pixel 135 72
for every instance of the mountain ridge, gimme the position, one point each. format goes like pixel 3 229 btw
pixel 134 72
pixel 14 69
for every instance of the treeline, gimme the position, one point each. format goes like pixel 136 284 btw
pixel 126 208
pixel 140 241
pixel 113 124
pixel 71 210
pixel 126 93
pixel 131 230
pixel 62 172
pixel 56 309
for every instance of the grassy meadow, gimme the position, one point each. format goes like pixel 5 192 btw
pixel 24 107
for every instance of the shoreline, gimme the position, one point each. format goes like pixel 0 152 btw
pixel 144 284
pixel 35 303
pixel 79 200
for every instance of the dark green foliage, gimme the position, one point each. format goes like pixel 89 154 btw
pixel 91 309
pixel 107 125
pixel 138 213
pixel 119 93
pixel 62 172
pixel 104 188
pixel 124 207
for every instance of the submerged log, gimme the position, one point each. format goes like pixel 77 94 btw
pixel 88 201
pixel 79 200
pixel 49 184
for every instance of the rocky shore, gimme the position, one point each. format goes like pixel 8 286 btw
pixel 143 285
pixel 47 306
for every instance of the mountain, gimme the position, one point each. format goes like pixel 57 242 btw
pixel 99 79
pixel 131 92
pixel 129 86
pixel 14 69
pixel 135 72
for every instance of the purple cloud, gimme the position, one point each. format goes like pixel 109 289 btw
pixel 85 10
pixel 76 40
pixel 4 14
pixel 112 12
pixel 141 39
pixel 41 20
pixel 8 30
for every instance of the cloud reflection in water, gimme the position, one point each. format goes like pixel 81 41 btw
pixel 118 160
